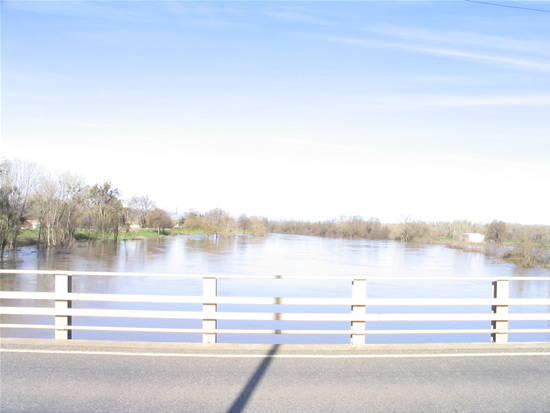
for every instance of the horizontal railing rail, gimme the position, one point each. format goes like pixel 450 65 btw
pixel 498 305
pixel 329 301
pixel 259 316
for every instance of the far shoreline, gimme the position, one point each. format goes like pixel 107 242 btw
pixel 522 254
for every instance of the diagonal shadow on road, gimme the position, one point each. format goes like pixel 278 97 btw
pixel 240 402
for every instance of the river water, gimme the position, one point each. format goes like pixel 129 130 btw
pixel 275 254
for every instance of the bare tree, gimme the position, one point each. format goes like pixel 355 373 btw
pixel 59 206
pixel 141 206
pixel 159 219
pixel 18 182
pixel 218 222
pixel 258 226
pixel 496 231
pixel 244 223
pixel 106 210
pixel 192 221
pixel 375 230
pixel 406 230
pixel 411 230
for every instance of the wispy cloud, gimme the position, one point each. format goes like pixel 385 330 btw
pixel 501 51
pixel 442 101
pixel 103 9
pixel 485 101
pixel 297 17
pixel 464 39
pixel 507 61
pixel 188 14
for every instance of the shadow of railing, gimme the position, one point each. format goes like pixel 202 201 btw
pixel 241 401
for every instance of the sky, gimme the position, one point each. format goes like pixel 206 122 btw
pixel 430 110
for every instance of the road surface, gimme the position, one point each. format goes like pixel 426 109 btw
pixel 89 376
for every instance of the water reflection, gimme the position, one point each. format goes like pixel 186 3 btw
pixel 275 254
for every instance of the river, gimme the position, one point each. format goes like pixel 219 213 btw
pixel 275 254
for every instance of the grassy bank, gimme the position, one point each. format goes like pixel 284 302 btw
pixel 29 237
pixel 523 253
pixel 134 234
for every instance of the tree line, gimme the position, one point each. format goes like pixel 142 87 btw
pixel 411 230
pixel 219 223
pixel 60 205
pixel 345 227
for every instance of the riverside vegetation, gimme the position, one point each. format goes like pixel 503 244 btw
pixel 38 208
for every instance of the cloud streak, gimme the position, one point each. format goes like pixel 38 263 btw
pixel 506 61
pixel 297 17
pixel 466 39
pixel 458 46
pixel 443 101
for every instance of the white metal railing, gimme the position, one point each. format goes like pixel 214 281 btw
pixel 63 312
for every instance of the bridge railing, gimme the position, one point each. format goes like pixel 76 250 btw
pixel 497 305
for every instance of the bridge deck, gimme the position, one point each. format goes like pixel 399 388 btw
pixel 49 375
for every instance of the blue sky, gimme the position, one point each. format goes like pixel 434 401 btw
pixel 436 110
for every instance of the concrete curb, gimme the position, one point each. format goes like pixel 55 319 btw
pixel 99 346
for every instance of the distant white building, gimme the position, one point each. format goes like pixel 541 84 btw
pixel 31 224
pixel 473 237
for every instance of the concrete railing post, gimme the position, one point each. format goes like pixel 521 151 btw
pixel 63 285
pixel 359 292
pixel 501 289
pixel 209 292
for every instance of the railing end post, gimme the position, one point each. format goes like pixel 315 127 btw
pixel 63 285
pixel 501 289
pixel 209 291
pixel 359 293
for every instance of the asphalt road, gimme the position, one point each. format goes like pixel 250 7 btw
pixel 122 377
